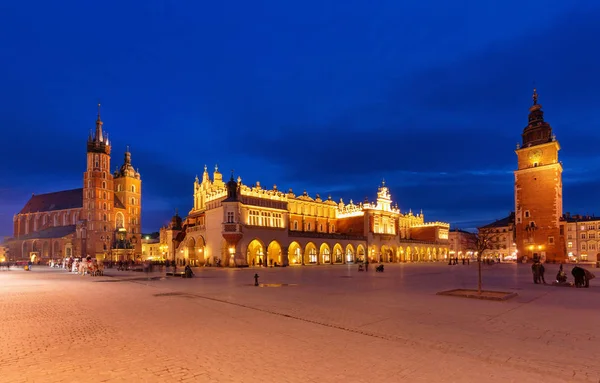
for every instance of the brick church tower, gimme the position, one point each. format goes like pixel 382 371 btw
pixel 128 194
pixel 538 191
pixel 97 193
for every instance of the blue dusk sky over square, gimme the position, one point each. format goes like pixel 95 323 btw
pixel 330 97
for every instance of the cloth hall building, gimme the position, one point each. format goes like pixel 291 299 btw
pixel 242 225
pixel 102 219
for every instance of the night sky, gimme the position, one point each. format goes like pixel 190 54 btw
pixel 327 96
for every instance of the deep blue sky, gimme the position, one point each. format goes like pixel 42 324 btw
pixel 327 96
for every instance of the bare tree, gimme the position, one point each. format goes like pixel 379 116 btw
pixel 479 244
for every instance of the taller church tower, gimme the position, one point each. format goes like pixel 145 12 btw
pixel 97 194
pixel 538 191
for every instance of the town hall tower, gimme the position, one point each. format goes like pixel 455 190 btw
pixel 538 191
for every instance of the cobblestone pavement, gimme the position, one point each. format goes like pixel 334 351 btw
pixel 329 324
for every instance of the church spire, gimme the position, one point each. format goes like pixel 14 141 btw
pixel 535 96
pixel 98 137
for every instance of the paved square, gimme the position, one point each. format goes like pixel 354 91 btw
pixel 330 324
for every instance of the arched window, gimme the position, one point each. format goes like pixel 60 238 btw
pixel 55 220
pixel 119 187
pixel 104 217
pixel 120 220
pixel 133 188
pixel 103 184
pixel 104 195
pixel 308 226
pixel 295 225
pixel 65 219
pixel 132 201
pixel 45 220
pixel 104 206
pixel 96 161
pixel 103 173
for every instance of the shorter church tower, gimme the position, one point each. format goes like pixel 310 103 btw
pixel 538 191
pixel 128 206
pixel 97 194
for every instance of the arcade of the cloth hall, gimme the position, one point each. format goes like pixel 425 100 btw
pixel 233 224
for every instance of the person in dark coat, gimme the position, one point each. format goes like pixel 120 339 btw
pixel 561 277
pixel 541 270
pixel 535 270
pixel 579 276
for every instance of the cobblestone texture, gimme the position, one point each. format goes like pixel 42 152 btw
pixel 333 325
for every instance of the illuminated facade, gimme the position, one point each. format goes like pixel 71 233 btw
pixel 583 238
pixel 502 236
pixel 462 244
pixel 102 219
pixel 243 225
pixel 538 191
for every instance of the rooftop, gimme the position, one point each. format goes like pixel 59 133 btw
pixel 66 199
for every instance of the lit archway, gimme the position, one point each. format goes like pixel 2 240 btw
pixel 338 253
pixel 45 250
pixel 325 254
pixel 401 254
pixel 274 253
pixel 255 253
pixel 295 254
pixel 310 254
pixel 190 252
pixel 349 253
pixel 360 253
pixel 386 254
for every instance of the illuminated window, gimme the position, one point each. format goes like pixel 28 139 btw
pixel 295 225
pixel 326 258
pixel 133 188
pixel 570 245
pixel 312 255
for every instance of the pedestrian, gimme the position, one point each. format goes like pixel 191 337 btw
pixel 536 272
pixel 541 272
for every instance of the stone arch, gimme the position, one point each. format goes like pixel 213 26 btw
pixel 274 253
pixel 373 254
pixel 428 254
pixel 119 220
pixel 387 254
pixel 25 250
pixel 434 254
pixel 45 250
pixel 338 254
pixel 295 253
pixel 190 255
pixel 255 253
pixel 360 253
pixel 401 255
pixel 310 254
pixel 325 254
pixel 350 254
